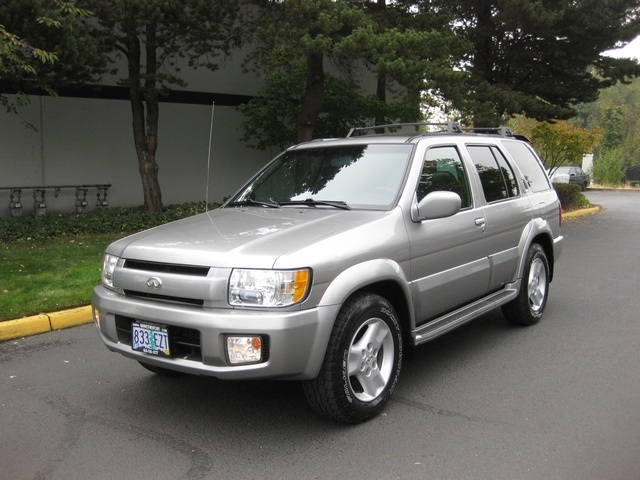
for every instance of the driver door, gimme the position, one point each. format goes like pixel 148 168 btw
pixel 449 262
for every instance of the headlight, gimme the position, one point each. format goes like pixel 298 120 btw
pixel 108 266
pixel 268 288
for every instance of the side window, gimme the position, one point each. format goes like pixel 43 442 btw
pixel 507 172
pixel 496 176
pixel 443 170
pixel 529 165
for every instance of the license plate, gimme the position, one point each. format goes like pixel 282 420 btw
pixel 150 338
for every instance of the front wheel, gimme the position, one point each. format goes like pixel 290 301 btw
pixel 528 307
pixel 362 362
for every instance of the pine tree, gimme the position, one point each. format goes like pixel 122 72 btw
pixel 540 57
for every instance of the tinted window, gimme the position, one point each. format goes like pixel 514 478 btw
pixel 496 176
pixel 529 165
pixel 443 171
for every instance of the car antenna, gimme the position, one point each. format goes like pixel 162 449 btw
pixel 206 194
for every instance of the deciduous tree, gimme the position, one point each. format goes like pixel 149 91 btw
pixel 617 112
pixel 44 46
pixel 558 143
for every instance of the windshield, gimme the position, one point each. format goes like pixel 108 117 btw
pixel 357 176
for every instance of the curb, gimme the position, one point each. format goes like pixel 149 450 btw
pixel 45 322
pixel 579 213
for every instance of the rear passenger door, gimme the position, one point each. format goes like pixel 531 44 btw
pixel 506 211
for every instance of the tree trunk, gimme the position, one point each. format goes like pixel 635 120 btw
pixel 381 93
pixel 313 98
pixel 486 112
pixel 381 86
pixel 150 182
pixel 145 124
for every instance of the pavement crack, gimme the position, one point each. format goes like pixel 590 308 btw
pixel 450 413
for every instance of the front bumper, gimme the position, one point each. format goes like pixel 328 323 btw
pixel 296 340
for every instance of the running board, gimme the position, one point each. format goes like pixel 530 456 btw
pixel 448 322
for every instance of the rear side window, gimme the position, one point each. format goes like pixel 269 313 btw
pixel 443 171
pixel 496 175
pixel 529 165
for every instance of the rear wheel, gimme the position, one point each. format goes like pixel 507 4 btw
pixel 362 362
pixel 528 307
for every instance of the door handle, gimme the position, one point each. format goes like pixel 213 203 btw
pixel 480 222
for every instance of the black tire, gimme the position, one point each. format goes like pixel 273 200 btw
pixel 583 187
pixel 528 307
pixel 362 362
pixel 165 372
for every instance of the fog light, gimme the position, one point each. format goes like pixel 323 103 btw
pixel 243 350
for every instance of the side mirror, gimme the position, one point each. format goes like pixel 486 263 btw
pixel 439 204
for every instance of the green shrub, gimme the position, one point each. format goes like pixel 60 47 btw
pixel 608 167
pixel 100 221
pixel 571 197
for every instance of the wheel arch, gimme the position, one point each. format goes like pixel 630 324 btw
pixel 545 241
pixel 393 293
pixel 538 231
pixel 382 277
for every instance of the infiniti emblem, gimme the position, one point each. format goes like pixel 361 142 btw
pixel 154 283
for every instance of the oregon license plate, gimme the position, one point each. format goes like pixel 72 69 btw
pixel 150 338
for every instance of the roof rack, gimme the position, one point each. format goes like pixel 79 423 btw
pixel 502 130
pixel 446 127
pixel 450 127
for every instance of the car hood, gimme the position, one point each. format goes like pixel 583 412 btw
pixel 238 237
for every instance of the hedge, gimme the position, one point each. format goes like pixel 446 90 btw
pixel 99 221
pixel 571 197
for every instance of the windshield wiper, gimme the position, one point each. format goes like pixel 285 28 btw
pixel 258 203
pixel 314 203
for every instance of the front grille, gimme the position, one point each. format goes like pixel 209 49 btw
pixel 167 268
pixel 165 298
pixel 183 342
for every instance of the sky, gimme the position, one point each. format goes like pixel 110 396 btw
pixel 632 50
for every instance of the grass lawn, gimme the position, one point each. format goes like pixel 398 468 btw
pixel 49 275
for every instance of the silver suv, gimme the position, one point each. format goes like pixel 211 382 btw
pixel 335 260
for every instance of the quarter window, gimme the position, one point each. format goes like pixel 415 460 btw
pixel 443 171
pixel 529 165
